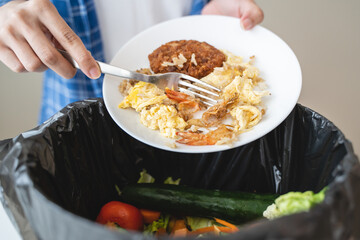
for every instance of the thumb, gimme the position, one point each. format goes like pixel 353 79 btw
pixel 251 15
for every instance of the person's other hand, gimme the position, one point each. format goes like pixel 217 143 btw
pixel 29 32
pixel 248 11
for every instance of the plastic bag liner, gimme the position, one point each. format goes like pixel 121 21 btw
pixel 56 177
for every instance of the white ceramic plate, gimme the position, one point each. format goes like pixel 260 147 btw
pixel 277 63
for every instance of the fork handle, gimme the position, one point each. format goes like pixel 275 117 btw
pixel 120 72
pixel 108 69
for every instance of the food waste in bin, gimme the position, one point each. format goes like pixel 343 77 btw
pixel 176 210
pixel 56 178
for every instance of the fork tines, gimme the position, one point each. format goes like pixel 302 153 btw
pixel 197 90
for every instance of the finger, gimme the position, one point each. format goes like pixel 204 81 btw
pixel 45 51
pixel 251 15
pixel 24 53
pixel 69 40
pixel 9 58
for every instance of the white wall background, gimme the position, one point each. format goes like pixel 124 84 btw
pixel 324 34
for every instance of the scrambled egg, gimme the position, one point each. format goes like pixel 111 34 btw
pixel 235 78
pixel 147 99
pixel 245 117
pixel 163 117
pixel 238 78
pixel 142 95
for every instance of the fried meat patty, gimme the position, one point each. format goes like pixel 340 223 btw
pixel 190 57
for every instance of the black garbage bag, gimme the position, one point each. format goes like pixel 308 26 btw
pixel 55 178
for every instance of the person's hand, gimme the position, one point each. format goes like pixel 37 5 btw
pixel 29 32
pixel 249 13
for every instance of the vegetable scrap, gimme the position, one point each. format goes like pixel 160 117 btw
pixel 171 209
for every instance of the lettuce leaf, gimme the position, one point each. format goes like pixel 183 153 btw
pixel 293 202
pixel 162 222
pixel 145 177
pixel 170 180
pixel 198 222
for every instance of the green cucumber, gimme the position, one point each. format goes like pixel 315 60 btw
pixel 233 206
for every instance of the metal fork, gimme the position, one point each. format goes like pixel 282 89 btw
pixel 170 80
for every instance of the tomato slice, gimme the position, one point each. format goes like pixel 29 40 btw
pixel 123 214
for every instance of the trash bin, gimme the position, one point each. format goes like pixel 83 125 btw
pixel 55 177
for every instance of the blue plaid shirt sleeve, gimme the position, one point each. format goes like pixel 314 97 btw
pixel 57 92
pixel 80 15
pixel 2 2
pixel 197 6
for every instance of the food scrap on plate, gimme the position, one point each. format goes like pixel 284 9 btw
pixel 184 117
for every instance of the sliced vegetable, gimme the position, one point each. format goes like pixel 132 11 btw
pixel 170 180
pixel 209 226
pixel 181 232
pixel 124 215
pixel 149 216
pixel 212 229
pixel 145 177
pixel 177 225
pixel 160 232
pixel 198 222
pixel 227 224
pixel 233 206
pixel 161 223
pixel 293 202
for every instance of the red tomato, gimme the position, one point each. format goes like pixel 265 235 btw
pixel 123 214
